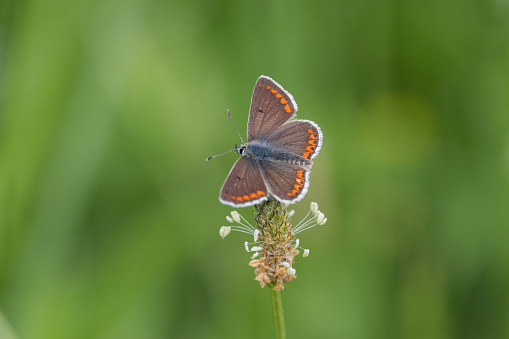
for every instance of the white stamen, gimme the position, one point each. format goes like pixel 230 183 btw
pixel 285 264
pixel 255 255
pixel 297 243
pixel 255 235
pixel 306 253
pixel 314 207
pixel 291 213
pixel 291 272
pixel 319 218
pixel 230 220
pixel 256 248
pixel 224 231
pixel 235 215
pixel 246 246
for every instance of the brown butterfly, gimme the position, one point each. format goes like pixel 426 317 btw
pixel 276 159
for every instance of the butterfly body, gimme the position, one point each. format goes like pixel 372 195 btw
pixel 264 152
pixel 276 160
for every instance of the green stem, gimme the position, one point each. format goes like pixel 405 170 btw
pixel 277 313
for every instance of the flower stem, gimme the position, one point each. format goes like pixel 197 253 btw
pixel 277 313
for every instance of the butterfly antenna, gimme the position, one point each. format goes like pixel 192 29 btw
pixel 234 126
pixel 236 147
pixel 214 156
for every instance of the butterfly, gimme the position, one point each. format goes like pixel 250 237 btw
pixel 277 157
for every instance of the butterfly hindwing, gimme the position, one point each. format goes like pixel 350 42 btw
pixel 287 182
pixel 298 137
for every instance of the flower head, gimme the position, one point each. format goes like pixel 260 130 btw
pixel 274 244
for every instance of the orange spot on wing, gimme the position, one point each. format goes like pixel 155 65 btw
pixel 299 174
pixel 309 148
pixel 253 195
pixel 278 95
pixel 246 197
pixel 289 194
pixel 312 142
pixel 239 198
pixel 260 192
pixel 274 91
pixel 297 187
pixel 284 101
pixel 312 136
pixel 233 197
pixel 268 87
pixel 288 109
pixel 305 155
pixel 294 191
pixel 310 131
pixel 260 85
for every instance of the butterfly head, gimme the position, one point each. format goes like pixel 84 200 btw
pixel 241 149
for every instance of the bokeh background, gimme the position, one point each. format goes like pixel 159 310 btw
pixel 109 215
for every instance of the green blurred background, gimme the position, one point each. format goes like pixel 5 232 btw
pixel 109 215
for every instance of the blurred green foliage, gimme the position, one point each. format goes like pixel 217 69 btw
pixel 109 215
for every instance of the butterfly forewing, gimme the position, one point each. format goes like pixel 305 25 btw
pixel 244 185
pixel 271 106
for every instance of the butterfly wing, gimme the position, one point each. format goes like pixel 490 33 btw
pixel 251 178
pixel 244 185
pixel 271 107
pixel 297 137
pixel 287 182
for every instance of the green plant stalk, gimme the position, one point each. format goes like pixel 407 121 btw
pixel 277 313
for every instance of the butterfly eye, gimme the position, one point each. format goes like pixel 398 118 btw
pixel 240 149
